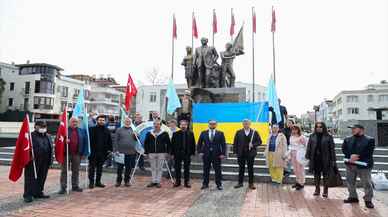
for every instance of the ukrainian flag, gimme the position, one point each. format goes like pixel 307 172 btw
pixel 229 117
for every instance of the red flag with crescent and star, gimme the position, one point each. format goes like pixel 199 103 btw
pixel 61 138
pixel 129 93
pixel 22 154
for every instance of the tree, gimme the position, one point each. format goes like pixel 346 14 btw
pixel 2 88
pixel 155 77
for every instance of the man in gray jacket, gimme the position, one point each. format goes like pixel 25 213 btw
pixel 125 142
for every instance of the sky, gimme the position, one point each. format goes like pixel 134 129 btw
pixel 322 47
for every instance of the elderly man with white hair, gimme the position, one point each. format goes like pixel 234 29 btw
pixel 125 143
pixel 78 148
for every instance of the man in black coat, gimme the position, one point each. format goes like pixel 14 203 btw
pixel 245 143
pixel 359 148
pixel 100 149
pixel 42 147
pixel 212 148
pixel 183 147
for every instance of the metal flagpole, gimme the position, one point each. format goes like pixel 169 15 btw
pixel 32 147
pixel 169 171
pixel 253 55
pixel 67 158
pixel 86 158
pixel 273 56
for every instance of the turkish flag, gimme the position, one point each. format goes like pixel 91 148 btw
pixel 22 154
pixel 130 91
pixel 273 24
pixel 61 138
pixel 232 24
pixel 194 27
pixel 214 22
pixel 174 28
pixel 254 21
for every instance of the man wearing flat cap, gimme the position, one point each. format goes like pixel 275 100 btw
pixel 359 150
pixel 42 146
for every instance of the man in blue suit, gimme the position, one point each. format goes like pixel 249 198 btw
pixel 77 142
pixel 212 149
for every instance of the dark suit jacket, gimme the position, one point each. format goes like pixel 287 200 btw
pixel 241 142
pixel 218 144
pixel 180 149
pixel 363 146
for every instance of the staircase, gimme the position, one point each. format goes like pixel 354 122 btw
pixel 230 165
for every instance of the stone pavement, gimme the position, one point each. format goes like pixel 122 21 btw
pixel 138 201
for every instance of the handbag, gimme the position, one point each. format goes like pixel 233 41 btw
pixel 119 158
pixel 380 182
pixel 334 179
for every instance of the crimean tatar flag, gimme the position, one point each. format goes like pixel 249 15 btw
pixel 229 117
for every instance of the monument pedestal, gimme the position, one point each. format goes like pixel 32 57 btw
pixel 218 95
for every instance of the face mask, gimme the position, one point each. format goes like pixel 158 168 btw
pixel 42 130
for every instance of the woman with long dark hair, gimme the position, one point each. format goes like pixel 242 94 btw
pixel 321 155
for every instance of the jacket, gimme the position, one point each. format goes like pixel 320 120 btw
pixel 218 143
pixel 160 143
pixel 82 140
pixel 327 149
pixel 125 141
pixel 42 146
pixel 177 146
pixel 241 142
pixel 363 146
pixel 100 141
pixel 279 156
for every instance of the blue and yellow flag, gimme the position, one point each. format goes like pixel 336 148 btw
pixel 229 117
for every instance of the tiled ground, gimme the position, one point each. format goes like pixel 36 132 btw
pixel 138 200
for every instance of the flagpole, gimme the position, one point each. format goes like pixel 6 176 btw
pixel 67 155
pixel 32 147
pixel 253 55
pixel 273 56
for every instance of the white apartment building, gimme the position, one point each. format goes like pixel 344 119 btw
pixel 151 97
pixel 357 104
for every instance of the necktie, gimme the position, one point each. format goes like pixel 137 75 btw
pixel 212 135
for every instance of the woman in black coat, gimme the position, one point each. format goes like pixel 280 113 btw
pixel 321 155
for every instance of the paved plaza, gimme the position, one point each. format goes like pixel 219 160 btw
pixel 138 200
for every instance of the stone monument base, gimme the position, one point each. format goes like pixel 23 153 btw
pixel 218 95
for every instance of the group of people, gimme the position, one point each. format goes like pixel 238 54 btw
pixel 284 146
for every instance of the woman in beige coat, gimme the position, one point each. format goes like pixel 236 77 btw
pixel 275 153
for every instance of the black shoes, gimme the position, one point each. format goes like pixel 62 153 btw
pixel 220 188
pixel 176 185
pixel 187 185
pixel 252 186
pixel 298 186
pixel 351 200
pixel 369 205
pixel 317 191
pixel 62 191
pixel 204 187
pixel 151 185
pixel 239 185
pixel 118 184
pixel 42 196
pixel 27 199
pixel 77 189
pixel 127 184
pixel 157 185
pixel 100 185
pixel 91 185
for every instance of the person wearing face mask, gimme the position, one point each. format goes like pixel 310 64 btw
pixel 42 146
pixel 100 149
pixel 321 155
pixel 359 147
pixel 212 149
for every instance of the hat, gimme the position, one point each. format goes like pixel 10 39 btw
pixel 356 126
pixel 40 123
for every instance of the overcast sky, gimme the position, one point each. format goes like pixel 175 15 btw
pixel 322 47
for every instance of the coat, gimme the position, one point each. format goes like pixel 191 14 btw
pixel 82 141
pixel 241 142
pixel 205 56
pixel 157 143
pixel 328 152
pixel 279 156
pixel 363 146
pixel 42 146
pixel 177 148
pixel 100 142
pixel 219 144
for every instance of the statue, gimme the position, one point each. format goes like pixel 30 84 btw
pixel 204 60
pixel 227 77
pixel 188 64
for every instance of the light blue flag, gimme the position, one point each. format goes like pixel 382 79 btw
pixel 123 115
pixel 173 100
pixel 79 112
pixel 273 100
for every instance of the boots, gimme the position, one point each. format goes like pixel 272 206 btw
pixel 325 192
pixel 317 181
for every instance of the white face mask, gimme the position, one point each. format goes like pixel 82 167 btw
pixel 42 130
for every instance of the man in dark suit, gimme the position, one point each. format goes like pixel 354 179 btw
pixel 359 148
pixel 245 143
pixel 183 147
pixel 212 148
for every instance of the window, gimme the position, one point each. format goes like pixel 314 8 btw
pixel 25 104
pixel 37 86
pixel 10 101
pixel 64 91
pixel 153 97
pixel 11 86
pixel 352 99
pixel 43 102
pixel 383 98
pixel 354 111
pixel 371 98
pixel 339 100
pixel 27 87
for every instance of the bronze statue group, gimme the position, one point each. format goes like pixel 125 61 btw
pixel 286 145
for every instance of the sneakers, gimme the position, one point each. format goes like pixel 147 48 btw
pixel 369 205
pixel 351 200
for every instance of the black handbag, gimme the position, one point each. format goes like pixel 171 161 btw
pixel 334 179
